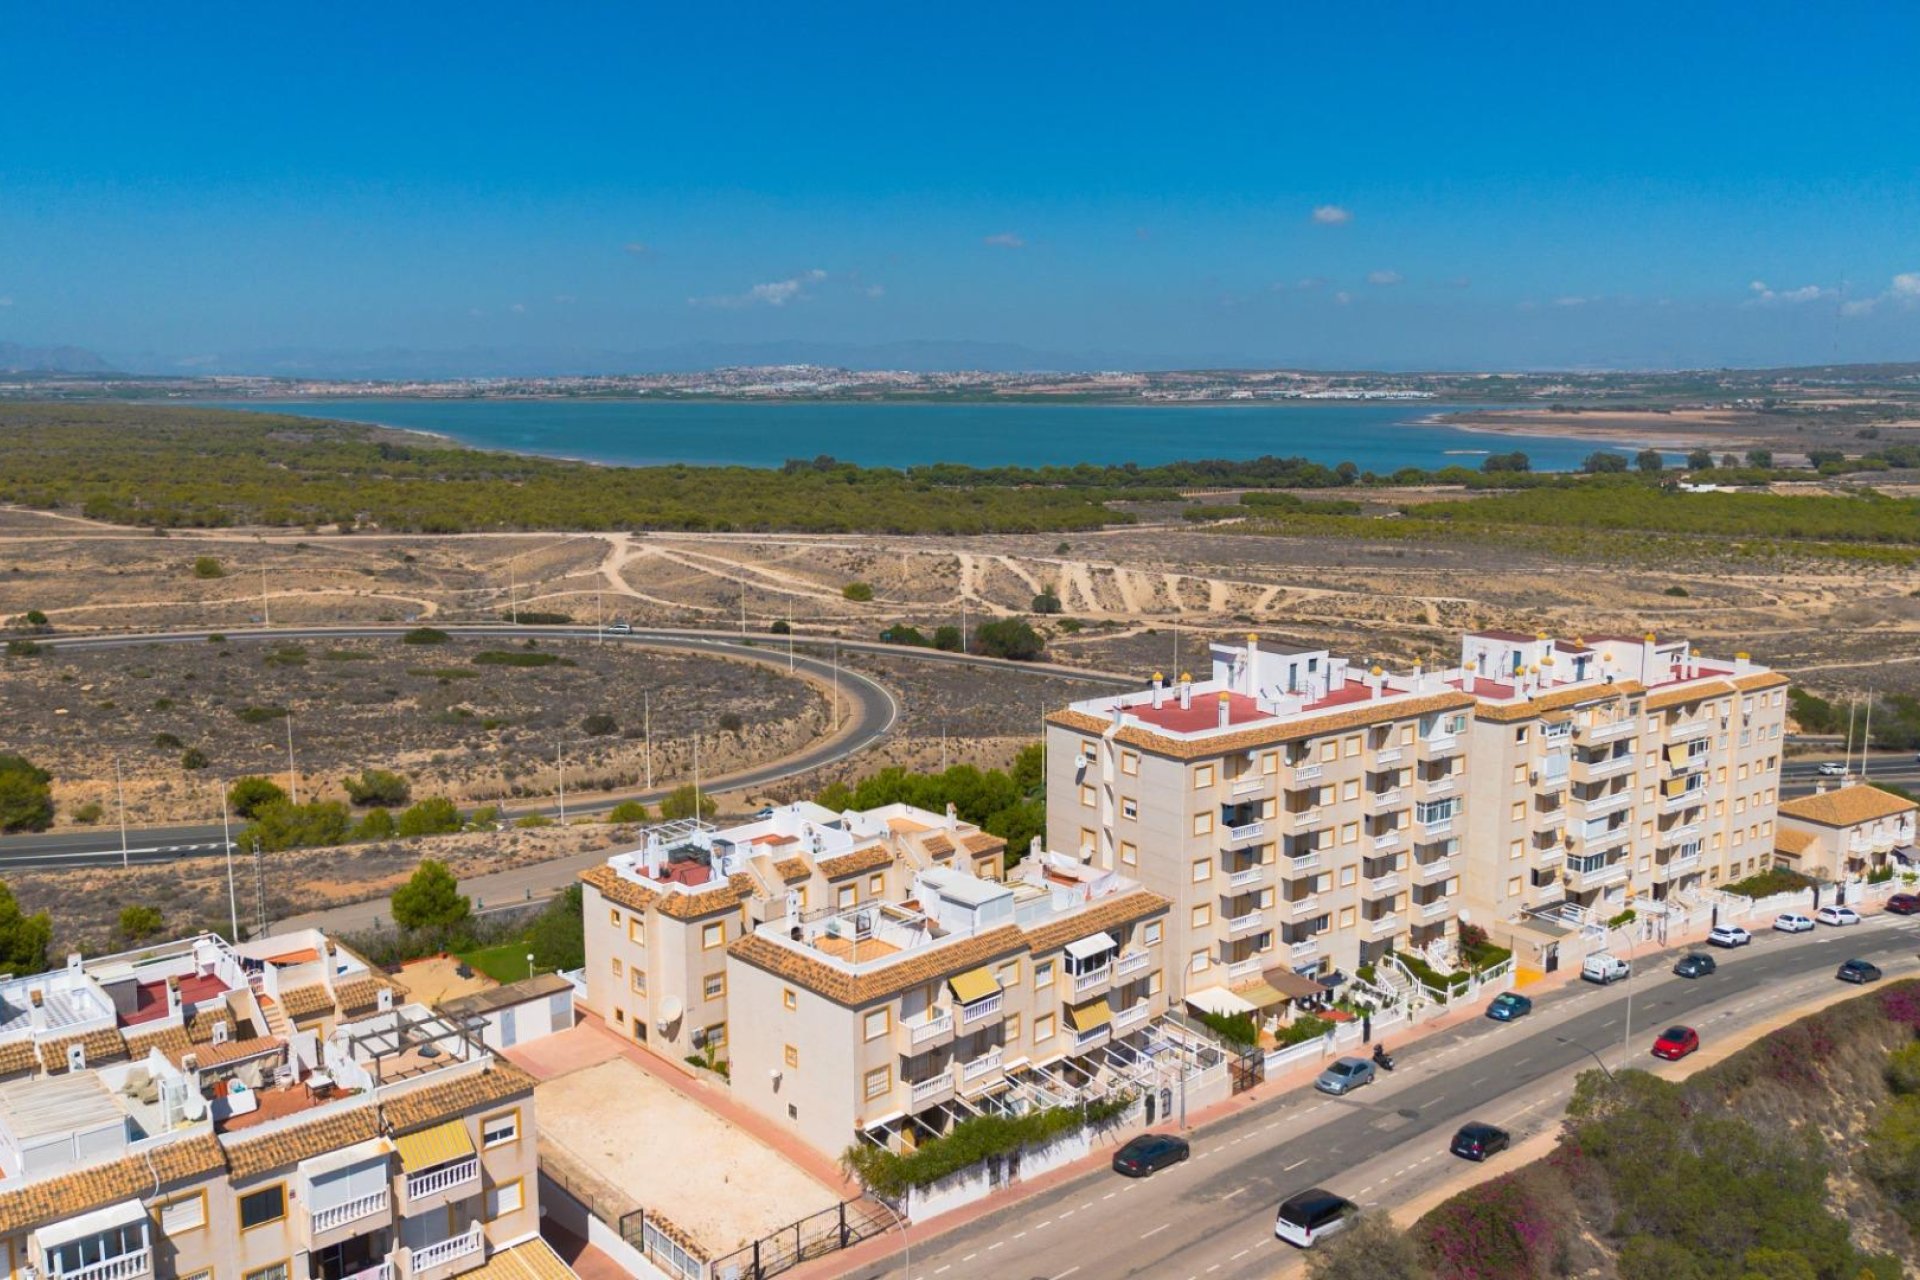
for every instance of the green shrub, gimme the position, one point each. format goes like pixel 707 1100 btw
pixel 1046 602
pixel 247 796
pixel 261 715
pixel 378 787
pixel 1235 1028
pixel 89 813
pixel 969 1142
pixel 511 658
pixel 534 618
pixel 281 824
pixel 484 818
pixel 858 592
pixel 425 635
pixel 22 648
pixel 533 821
pixel 431 899
pixel 376 825
pixel 780 628
pixel 167 742
pixel 627 811
pixel 35 618
pixel 1009 638
pixel 599 725
pixel 683 801
pixel 1303 1028
pixel 140 921
pixel 1623 919
pixel 1766 883
pixel 729 722
pixel 208 567
pixel 436 815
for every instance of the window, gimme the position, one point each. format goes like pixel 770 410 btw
pixel 714 986
pixel 1043 973
pixel 1347 874
pixel 1202 777
pixel 1130 763
pixel 878 1022
pixel 717 1035
pixel 1346 917
pixel 790 1054
pixel 1087 840
pixel 1197 962
pixel 268 1204
pixel 849 894
pixel 1350 790
pixel 1043 1028
pixel 713 935
pixel 498 1131
pixel 637 977
pixel 508 1197
pixel 636 931
pixel 277 1271
pixel 1269 762
pixel 1129 853
pixel 1513 887
pixel 1203 824
pixel 1129 808
pixel 1519 811
pixel 1520 734
pixel 1517 850
pixel 789 999
pixel 1154 981
pixel 1202 869
pixel 188 1213
pixel 613 916
pixel 878 1083
pixel 1353 745
pixel 1012 1031
pixel 1520 773
pixel 1329 751
pixel 620 1017
pixel 1350 834
pixel 1202 916
pixel 1008 974
pixel 1086 795
pixel 1151 934
pixel 618 968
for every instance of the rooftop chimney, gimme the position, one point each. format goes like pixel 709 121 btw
pixel 37 1009
pixel 953 817
pixel 1253 662
pixel 1226 709
pixel 173 996
pixel 1186 690
pixel 1159 689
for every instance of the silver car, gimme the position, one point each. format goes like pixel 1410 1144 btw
pixel 1345 1076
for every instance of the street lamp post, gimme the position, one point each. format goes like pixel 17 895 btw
pixel 1591 1054
pixel 906 1241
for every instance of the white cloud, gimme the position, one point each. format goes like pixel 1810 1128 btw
pixel 1761 294
pixel 1859 307
pixel 1004 240
pixel 6 302
pixel 1343 297
pixel 1332 215
pixel 1571 300
pixel 637 248
pixel 1460 282
pixel 1906 286
pixel 1902 291
pixel 1383 277
pixel 774 293
pixel 518 308
pixel 876 291
pixel 562 299
pixel 1312 282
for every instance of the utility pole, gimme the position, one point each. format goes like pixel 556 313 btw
pixel 293 779
pixel 743 610
pixel 963 624
pixel 266 608
pixel 789 635
pixel 233 902
pixel 120 790
pixel 513 591
pixel 696 775
pixel 836 684
pixel 646 713
pixel 1847 765
pixel 1866 737
pixel 599 622
pixel 560 764
pixel 259 889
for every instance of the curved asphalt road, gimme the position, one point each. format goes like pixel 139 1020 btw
pixel 875 712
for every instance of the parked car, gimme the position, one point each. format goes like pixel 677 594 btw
pixel 1310 1217
pixel 1148 1152
pixel 1675 1043
pixel 1509 1005
pixel 1728 935
pixel 1345 1076
pixel 1477 1141
pixel 1695 965
pixel 620 629
pixel 1839 917
pixel 1604 967
pixel 1831 769
pixel 1903 904
pixel 1792 922
pixel 1858 971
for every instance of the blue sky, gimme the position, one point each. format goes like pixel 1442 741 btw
pixel 1385 186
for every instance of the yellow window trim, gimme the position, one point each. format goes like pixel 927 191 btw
pixel 270 1186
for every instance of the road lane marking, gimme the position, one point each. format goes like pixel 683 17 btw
pixel 995 1245
pixel 1231 1194
pixel 1236 1257
pixel 1295 1165
pixel 1157 1230
pixel 1064 1274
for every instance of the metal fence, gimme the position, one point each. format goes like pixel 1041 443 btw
pixel 814 1236
pixel 661 1249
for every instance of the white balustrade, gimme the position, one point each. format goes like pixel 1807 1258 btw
pixel 443 1177
pixel 339 1215
pixel 451 1249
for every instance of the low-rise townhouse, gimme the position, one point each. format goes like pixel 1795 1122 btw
pixel 1846 833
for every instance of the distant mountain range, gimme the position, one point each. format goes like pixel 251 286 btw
pixel 15 358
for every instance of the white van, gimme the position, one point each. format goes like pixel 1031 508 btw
pixel 1604 967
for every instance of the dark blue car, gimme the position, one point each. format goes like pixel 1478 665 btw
pixel 1507 1006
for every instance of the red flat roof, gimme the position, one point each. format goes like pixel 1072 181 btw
pixel 1203 714
pixel 150 998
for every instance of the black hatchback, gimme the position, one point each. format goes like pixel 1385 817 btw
pixel 1858 971
pixel 1477 1141
pixel 1695 965
pixel 1150 1151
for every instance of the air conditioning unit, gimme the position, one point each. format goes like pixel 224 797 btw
pixel 1533 776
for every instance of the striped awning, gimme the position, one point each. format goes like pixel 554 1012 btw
pixel 435 1146
pixel 975 984
pixel 1090 1016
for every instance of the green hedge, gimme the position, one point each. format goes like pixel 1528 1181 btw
pixel 969 1142
pixel 1237 1028
pixel 1767 883
pixel 1302 1029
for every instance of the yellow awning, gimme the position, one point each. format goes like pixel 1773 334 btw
pixel 1677 754
pixel 435 1146
pixel 1260 994
pixel 1090 1016
pixel 1673 787
pixel 975 984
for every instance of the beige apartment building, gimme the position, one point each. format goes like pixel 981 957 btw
pixel 1845 833
pixel 267 1111
pixel 1305 816
pixel 660 918
pixel 888 1021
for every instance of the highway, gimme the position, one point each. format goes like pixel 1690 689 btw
pixel 875 712
pixel 1212 1218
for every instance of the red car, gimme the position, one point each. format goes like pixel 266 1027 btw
pixel 1903 904
pixel 1676 1043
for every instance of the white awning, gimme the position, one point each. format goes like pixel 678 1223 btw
pixel 127 1213
pixel 346 1157
pixel 1218 1000
pixel 1089 947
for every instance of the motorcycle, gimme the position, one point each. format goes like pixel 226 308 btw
pixel 1381 1058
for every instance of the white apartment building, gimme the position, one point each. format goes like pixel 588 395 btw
pixel 266 1111
pixel 1305 815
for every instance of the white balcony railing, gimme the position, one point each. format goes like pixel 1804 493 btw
pixel 985 1064
pixel 1246 923
pixel 1385 798
pixel 1610 767
pixel 1608 732
pixel 930 1028
pixel 382 1270
pixel 1085 982
pixel 1387 755
pixel 1130 1016
pixel 1437 827
pixel 1437 786
pixel 1383 924
pixel 1432 870
pixel 1384 884
pixel 1297 908
pixel 1131 963
pixel 1555 817
pixel 1248 786
pixel 1296 863
pixel 980 1010
pixel 1388 839
pixel 122 1267
pixel 1437 746
pixel 339 1215
pixel 1249 876
pixel 1305 772
pixel 1242 969
pixel 443 1177
pixel 923 1091
pixel 1684 732
pixel 1246 831
pixel 1305 947
pixel 1678 835
pixel 1093 1035
pixel 1304 819
pixel 452 1249
pixel 1683 800
pixel 1438 907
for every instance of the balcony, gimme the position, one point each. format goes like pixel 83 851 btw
pixel 1591 873
pixel 1385 798
pixel 1303 819
pixel 1613 838
pixel 1548 819
pixel 981 1010
pixel 933 1089
pixel 1437 826
pixel 1130 1017
pixel 1252 786
pixel 1437 786
pixel 1093 1035
pixel 466 1246
pixel 985 1065
pixel 449 1179
pixel 1388 755
pixel 125 1266
pixel 1549 855
pixel 1252 875
pixel 1439 748
pixel 1604 767
pixel 1131 963
pixel 1300 908
pixel 1305 947
pixel 1434 870
pixel 1609 802
pixel 1678 835
pixel 1438 907
pixel 1608 732
pixel 1695 763
pixel 1246 831
pixel 1296 863
pixel 1383 924
pixel 1683 799
pixel 382 1270
pixel 1246 923
pixel 1686 732
pixel 1305 772
pixel 930 1030
pixel 340 1215
pixel 1388 839
pixel 1092 980
pixel 1241 970
pixel 1389 883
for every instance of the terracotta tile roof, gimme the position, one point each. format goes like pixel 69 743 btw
pixel 17 1056
pixel 922 966
pixel 360 996
pixel 215 1055
pixel 533 1260
pixel 1846 807
pixel 691 906
pixel 1760 680
pixel 84 1190
pixel 1369 712
pixel 1790 840
pixel 435 1103
pixel 104 1045
pixel 251 1158
pixel 981 842
pixel 617 889
pixel 302 1003
pixel 170 1041
pixel 871 858
pixel 1508 712
pixel 937 845
pixel 1692 692
pixel 1124 909
pixel 792 869
pixel 200 1025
